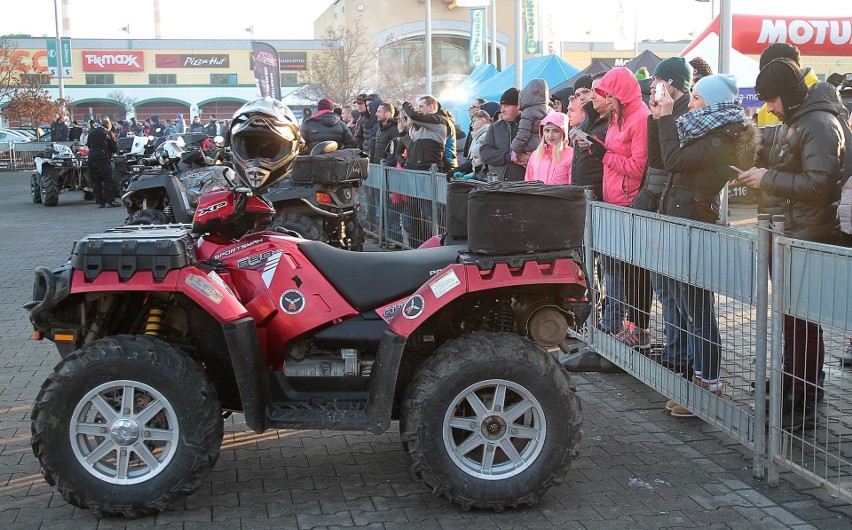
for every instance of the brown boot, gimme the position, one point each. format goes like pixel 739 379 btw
pixel 681 412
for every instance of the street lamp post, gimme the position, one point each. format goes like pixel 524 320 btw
pixel 427 45
pixel 59 58
pixel 519 45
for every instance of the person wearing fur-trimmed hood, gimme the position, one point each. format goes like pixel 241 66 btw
pixel 551 161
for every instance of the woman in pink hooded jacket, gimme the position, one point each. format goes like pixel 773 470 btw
pixel 551 161
pixel 624 154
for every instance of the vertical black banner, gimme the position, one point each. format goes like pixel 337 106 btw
pixel 265 60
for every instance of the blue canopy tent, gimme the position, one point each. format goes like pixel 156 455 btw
pixel 551 68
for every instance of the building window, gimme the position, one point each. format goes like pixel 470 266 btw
pixel 100 79
pixel 289 79
pixel 405 58
pixel 35 79
pixel 162 79
pixel 223 79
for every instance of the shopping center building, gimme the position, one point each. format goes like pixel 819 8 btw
pixel 142 77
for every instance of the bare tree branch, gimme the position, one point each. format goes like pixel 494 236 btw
pixel 344 68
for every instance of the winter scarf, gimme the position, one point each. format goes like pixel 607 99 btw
pixel 697 123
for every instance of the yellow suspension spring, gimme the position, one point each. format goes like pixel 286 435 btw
pixel 154 323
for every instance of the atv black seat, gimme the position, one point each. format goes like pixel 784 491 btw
pixel 370 279
pixel 132 249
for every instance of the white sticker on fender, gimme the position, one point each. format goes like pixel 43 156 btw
pixel 203 286
pixel 444 283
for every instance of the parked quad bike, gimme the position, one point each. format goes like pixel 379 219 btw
pixel 61 169
pixel 161 329
pixel 322 209
pixel 164 188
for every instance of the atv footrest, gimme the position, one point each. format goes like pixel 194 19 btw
pixel 337 415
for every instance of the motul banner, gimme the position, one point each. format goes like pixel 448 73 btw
pixel 266 72
pixel 113 61
pixel 812 35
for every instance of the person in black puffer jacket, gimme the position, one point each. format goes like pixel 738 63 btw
pixel 802 173
pixel 326 125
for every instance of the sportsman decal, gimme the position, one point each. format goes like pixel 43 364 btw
pixel 237 248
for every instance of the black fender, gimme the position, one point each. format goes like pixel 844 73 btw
pixel 167 184
pixel 288 192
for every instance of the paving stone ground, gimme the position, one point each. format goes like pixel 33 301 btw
pixel 638 467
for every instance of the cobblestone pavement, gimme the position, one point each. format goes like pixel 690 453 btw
pixel 638 468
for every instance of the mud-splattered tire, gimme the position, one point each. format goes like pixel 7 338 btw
pixel 299 226
pixel 149 216
pixel 49 186
pixel 125 426
pixel 491 421
pixel 35 188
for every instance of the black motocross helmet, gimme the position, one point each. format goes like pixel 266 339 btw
pixel 265 141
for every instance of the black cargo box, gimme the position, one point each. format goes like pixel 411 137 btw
pixel 330 168
pixel 525 217
pixel 457 196
pixel 132 249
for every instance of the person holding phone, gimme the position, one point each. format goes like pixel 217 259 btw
pixel 624 155
pixel 801 171
pixel 697 149
pixel 672 75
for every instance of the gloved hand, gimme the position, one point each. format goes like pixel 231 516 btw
pixel 458 175
pixel 468 176
pixel 596 148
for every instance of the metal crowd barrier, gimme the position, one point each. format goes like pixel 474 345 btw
pixel 20 156
pixel 403 208
pixel 729 268
pixel 811 283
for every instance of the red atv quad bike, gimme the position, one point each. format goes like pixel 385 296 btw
pixel 166 330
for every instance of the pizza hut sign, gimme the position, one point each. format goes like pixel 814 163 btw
pixel 113 61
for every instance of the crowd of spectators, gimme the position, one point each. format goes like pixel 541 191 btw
pixel 662 141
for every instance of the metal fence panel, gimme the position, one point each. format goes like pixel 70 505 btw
pixel 817 285
pixel 815 325
pixel 715 262
pixel 712 257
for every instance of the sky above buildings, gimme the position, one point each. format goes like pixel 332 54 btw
pixel 570 20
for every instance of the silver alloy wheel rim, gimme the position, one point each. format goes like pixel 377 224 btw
pixel 124 432
pixel 494 429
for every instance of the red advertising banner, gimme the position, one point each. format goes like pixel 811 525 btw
pixel 812 35
pixel 201 60
pixel 113 61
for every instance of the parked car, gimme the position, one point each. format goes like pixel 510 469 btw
pixel 38 134
pixel 11 135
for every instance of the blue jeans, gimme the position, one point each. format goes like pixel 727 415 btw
pixel 697 307
pixel 614 310
pixel 678 347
